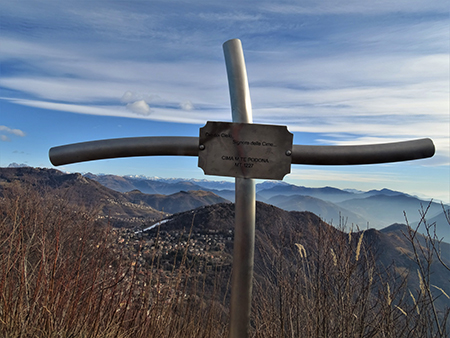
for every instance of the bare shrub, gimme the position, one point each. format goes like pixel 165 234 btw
pixel 61 275
pixel 430 316
pixel 64 275
pixel 334 286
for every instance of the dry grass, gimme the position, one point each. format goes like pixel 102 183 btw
pixel 61 275
pixel 339 290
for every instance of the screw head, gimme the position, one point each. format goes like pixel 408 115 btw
pixel 201 147
pixel 288 152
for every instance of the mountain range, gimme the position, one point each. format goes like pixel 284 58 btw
pixel 277 230
pixel 372 209
pixel 120 209
pixel 137 199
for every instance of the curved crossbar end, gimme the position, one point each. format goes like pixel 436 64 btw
pixel 53 155
pixel 68 154
pixel 125 147
pixel 363 154
pixel 430 149
pixel 414 150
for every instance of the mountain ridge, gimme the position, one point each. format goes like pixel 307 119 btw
pixel 283 230
pixel 115 207
pixel 380 209
pixel 355 207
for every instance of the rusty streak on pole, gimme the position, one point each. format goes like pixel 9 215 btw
pixel 245 203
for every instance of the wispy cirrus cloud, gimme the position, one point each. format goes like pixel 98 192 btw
pixel 354 7
pixel 349 71
pixel 160 113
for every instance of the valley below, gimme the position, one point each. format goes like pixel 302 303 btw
pixel 164 249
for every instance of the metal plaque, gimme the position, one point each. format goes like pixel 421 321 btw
pixel 245 150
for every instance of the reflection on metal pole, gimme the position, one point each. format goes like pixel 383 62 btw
pixel 245 204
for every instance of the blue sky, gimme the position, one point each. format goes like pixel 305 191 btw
pixel 334 72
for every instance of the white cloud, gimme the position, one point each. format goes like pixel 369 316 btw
pixel 8 130
pixel 187 105
pixel 5 138
pixel 139 107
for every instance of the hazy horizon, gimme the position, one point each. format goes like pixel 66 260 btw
pixel 335 73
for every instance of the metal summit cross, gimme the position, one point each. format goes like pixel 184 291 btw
pixel 245 151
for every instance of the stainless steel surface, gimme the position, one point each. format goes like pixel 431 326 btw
pixel 241 106
pixel 189 146
pixel 124 147
pixel 245 204
pixel 245 150
pixel 243 257
pixel 363 154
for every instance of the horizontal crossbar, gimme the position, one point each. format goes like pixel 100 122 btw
pixel 189 146
pixel 363 154
pixel 124 147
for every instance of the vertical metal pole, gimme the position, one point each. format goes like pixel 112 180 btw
pixel 245 204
